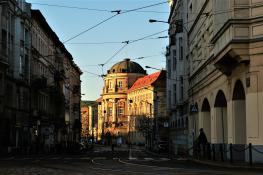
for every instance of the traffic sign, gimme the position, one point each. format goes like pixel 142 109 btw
pixel 193 109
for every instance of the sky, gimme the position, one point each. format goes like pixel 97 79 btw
pixel 100 44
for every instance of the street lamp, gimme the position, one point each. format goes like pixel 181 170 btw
pixel 129 134
pixel 154 20
pixel 149 67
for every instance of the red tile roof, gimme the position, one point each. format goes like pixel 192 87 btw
pixel 145 81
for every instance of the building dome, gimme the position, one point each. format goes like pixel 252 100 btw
pixel 126 66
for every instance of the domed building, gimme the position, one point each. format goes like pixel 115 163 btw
pixel 113 107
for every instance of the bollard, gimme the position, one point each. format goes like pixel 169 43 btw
pixel 222 152
pixel 208 151
pixel 250 154
pixel 213 152
pixel 231 153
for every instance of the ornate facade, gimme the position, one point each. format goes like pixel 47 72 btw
pixel 133 105
pixel 147 110
pixel 224 51
pixel 113 108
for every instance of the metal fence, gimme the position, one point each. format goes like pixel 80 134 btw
pixel 224 152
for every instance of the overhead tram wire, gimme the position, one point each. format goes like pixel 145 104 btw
pixel 72 7
pixel 117 52
pixel 91 73
pixel 81 33
pixel 111 42
pixel 92 9
pixel 130 42
pixel 118 12
pixel 96 43
pixel 148 6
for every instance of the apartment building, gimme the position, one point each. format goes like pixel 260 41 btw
pixel 33 77
pixel 15 59
pixel 225 45
pixel 177 77
pixel 147 110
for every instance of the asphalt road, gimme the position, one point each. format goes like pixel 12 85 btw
pixel 103 161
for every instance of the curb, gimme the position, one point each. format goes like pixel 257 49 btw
pixel 226 165
pixel 156 154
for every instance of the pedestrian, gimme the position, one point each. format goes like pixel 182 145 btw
pixel 201 142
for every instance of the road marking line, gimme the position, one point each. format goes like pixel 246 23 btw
pixel 35 161
pixel 148 158
pixel 150 166
pixel 85 158
pixel 96 163
pixel 67 158
pixel 164 158
pixel 100 158
pixel 9 158
pixel 132 158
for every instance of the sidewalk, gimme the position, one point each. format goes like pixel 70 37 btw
pixel 227 164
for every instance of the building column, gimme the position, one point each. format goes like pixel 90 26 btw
pixel 114 115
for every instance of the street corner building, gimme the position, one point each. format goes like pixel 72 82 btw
pixel 129 96
pixel 222 43
pixel 89 120
pixel 39 83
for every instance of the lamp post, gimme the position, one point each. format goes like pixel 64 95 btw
pixel 129 134
pixel 103 125
pixel 148 125
pixel 156 115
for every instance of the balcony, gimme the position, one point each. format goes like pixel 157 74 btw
pixel 59 75
pixel 3 61
pixel 39 82
pixel 76 89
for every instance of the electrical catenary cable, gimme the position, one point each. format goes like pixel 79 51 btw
pixel 118 12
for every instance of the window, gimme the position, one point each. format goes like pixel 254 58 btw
pixel 21 65
pixel 120 111
pixel 181 51
pixel 174 59
pixel 22 32
pixel 27 37
pixel 182 87
pixel 1 82
pixel 4 41
pixel 120 84
pixel 174 93
pixel 110 111
pixel 169 99
pixel 172 40
pixel 169 68
pixel 26 69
